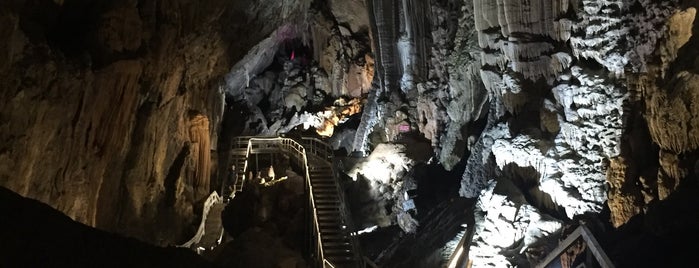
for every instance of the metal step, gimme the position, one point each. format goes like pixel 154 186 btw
pixel 322 179
pixel 325 212
pixel 339 258
pixel 326 199
pixel 324 190
pixel 321 195
pixel 324 186
pixel 321 175
pixel 337 244
pixel 342 239
pixel 326 182
pixel 327 207
pixel 327 202
pixel 328 222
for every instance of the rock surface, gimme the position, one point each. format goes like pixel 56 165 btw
pixel 110 111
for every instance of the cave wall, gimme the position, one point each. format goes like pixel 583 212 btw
pixel 109 109
pixel 597 98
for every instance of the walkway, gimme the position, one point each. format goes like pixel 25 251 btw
pixel 331 244
pixel 336 243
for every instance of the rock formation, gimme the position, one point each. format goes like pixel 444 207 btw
pixel 546 112
pixel 96 105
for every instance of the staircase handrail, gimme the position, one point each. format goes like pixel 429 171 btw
pixel 300 153
pixel 327 154
pixel 581 232
pixel 210 202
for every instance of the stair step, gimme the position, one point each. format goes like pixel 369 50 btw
pixel 322 179
pixel 327 207
pixel 324 194
pixel 324 187
pixel 331 230
pixel 334 230
pixel 321 190
pixel 328 223
pixel 336 242
pixel 319 166
pixel 337 247
pixel 337 237
pixel 341 258
pixel 337 251
pixel 327 212
pixel 345 251
pixel 323 182
pixel 344 263
pixel 329 220
pixel 327 201
pixel 333 236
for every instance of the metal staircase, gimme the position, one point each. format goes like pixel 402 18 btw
pixel 239 155
pixel 336 242
pixel 330 243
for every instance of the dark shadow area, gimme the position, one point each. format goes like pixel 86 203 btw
pixel 664 237
pixel 36 235
pixel 423 249
pixel 173 175
pixel 436 184
pixel 71 27
pixel 267 222
pixel 440 214
pixel 232 126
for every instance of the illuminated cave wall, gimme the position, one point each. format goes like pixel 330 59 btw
pixel 110 110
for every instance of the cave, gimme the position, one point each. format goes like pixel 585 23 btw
pixel 349 133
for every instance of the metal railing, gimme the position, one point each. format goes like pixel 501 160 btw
pixel 301 150
pixel 291 146
pixel 324 151
pixel 213 199
pixel 459 258
pixel 592 245
pixel 318 148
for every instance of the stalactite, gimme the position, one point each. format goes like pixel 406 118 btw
pixel 201 153
pixel 369 119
